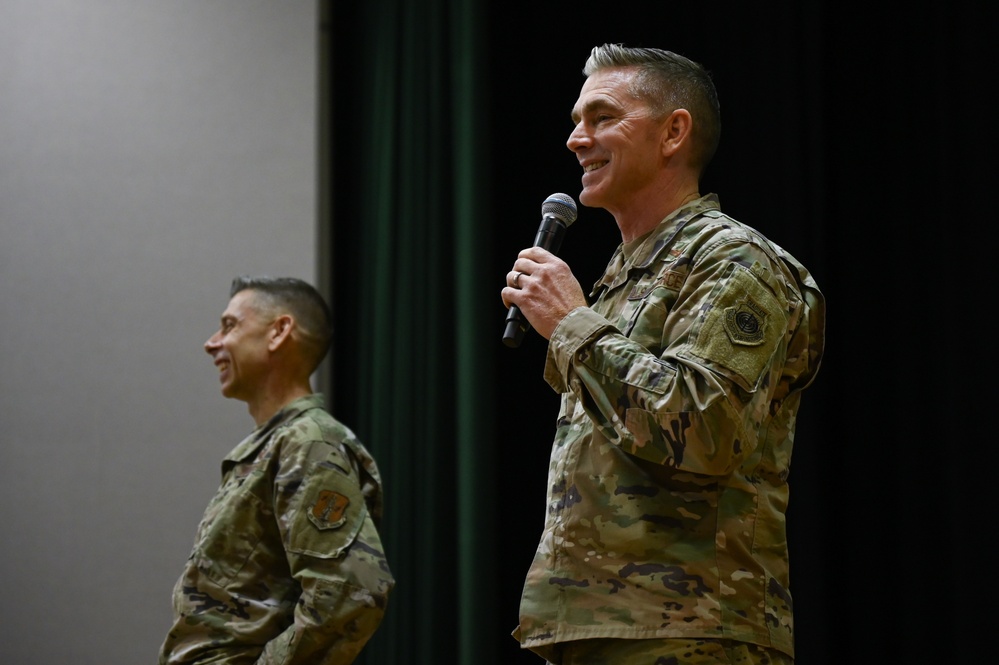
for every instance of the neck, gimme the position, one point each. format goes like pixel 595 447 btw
pixel 645 213
pixel 269 402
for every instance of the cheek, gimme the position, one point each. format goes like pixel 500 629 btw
pixel 249 355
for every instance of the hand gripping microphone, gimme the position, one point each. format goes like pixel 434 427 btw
pixel 557 213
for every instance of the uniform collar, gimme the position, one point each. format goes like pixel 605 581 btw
pixel 289 411
pixel 643 252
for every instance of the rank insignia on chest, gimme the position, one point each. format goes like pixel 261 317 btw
pixel 746 323
pixel 329 510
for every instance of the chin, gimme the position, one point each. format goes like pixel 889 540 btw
pixel 589 199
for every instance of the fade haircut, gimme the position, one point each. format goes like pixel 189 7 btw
pixel 278 295
pixel 667 81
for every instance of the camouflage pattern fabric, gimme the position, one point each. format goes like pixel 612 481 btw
pixel 669 652
pixel 668 477
pixel 287 566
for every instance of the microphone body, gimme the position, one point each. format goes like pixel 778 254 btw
pixel 557 212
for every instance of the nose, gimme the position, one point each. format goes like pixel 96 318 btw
pixel 212 343
pixel 577 138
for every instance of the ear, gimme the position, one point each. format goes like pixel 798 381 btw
pixel 280 331
pixel 676 132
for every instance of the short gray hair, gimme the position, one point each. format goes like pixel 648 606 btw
pixel 667 81
pixel 300 299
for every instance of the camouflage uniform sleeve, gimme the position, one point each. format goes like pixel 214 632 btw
pixel 334 553
pixel 697 404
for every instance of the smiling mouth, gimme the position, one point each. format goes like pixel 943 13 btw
pixel 594 166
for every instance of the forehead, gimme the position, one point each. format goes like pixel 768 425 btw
pixel 606 88
pixel 241 305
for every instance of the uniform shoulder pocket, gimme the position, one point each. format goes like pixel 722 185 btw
pixel 330 512
pixel 742 329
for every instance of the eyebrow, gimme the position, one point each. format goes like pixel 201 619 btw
pixel 589 108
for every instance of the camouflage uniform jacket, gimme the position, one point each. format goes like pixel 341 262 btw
pixel 667 484
pixel 287 565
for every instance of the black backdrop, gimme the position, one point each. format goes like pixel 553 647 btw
pixel 858 138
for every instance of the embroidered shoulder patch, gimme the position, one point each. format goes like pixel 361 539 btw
pixel 745 323
pixel 329 510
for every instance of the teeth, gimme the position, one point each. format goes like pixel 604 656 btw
pixel 594 166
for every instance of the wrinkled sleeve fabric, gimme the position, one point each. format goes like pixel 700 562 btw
pixel 697 404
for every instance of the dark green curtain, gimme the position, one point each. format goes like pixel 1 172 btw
pixel 856 135
pixel 410 375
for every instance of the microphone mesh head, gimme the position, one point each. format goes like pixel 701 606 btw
pixel 561 206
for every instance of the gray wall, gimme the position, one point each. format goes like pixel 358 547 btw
pixel 149 152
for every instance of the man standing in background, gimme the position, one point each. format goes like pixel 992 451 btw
pixel 287 565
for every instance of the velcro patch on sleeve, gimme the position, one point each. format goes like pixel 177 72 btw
pixel 742 329
pixel 328 514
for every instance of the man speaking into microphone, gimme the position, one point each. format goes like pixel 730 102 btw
pixel 680 377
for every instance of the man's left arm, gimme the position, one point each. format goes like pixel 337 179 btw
pixel 336 557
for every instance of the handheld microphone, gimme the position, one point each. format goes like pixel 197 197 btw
pixel 557 212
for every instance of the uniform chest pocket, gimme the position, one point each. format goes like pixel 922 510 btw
pixel 647 322
pixel 231 531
